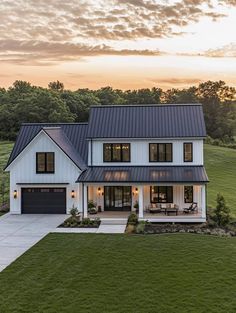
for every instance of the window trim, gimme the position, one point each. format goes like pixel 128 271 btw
pixel 192 194
pixel 45 160
pixel 121 154
pixel 185 143
pixel 159 143
pixel 158 193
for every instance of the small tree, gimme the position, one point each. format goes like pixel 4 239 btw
pixel 221 212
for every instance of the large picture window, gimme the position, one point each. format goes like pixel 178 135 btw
pixel 188 152
pixel 160 152
pixel 45 162
pixel 188 194
pixel 116 152
pixel 161 194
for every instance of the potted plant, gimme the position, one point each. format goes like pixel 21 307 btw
pixel 92 207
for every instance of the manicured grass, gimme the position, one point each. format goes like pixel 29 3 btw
pixel 120 273
pixel 220 165
pixel 5 150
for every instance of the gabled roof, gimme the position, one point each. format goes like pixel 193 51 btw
pixel 62 141
pixel 71 138
pixel 147 121
pixel 144 174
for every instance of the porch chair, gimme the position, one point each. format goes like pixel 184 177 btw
pixel 191 209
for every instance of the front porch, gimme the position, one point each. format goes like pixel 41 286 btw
pixel 156 202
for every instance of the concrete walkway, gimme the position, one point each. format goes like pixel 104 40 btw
pixel 107 226
pixel 18 233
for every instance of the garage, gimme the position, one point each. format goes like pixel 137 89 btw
pixel 43 200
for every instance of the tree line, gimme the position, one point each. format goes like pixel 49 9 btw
pixel 23 103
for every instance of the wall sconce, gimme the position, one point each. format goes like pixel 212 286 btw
pixel 100 191
pixel 15 194
pixel 72 193
pixel 135 192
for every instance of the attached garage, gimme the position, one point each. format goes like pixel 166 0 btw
pixel 43 200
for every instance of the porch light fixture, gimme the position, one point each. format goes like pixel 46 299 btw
pixel 15 194
pixel 99 191
pixel 135 192
pixel 72 193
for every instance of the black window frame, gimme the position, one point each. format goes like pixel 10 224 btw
pixel 192 194
pixel 157 144
pixel 45 160
pixel 167 194
pixel 121 154
pixel 188 143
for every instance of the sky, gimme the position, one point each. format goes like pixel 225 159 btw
pixel 124 44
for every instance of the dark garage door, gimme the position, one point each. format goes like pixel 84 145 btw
pixel 44 200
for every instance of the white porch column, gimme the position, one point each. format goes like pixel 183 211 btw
pixel 140 201
pixel 203 200
pixel 85 201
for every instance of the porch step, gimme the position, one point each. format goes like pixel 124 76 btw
pixel 113 221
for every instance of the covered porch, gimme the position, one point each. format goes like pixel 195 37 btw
pixel 156 203
pixel 157 194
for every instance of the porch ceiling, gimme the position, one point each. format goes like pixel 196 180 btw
pixel 144 174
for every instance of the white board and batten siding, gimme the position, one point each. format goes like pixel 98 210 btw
pixel 140 152
pixel 23 170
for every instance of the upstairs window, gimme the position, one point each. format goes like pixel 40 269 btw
pixel 188 152
pixel 188 194
pixel 161 194
pixel 160 152
pixel 45 163
pixel 116 152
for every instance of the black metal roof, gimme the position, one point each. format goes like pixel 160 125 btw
pixel 147 121
pixel 62 141
pixel 144 174
pixel 75 132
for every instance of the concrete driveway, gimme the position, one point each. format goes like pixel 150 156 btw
pixel 18 233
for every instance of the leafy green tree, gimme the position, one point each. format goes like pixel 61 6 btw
pixel 109 96
pixel 221 212
pixel 56 86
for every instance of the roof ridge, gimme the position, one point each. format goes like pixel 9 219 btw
pixel 145 105
pixel 48 123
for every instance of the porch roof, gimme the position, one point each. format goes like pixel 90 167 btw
pixel 144 174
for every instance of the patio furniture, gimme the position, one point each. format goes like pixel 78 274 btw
pixel 154 208
pixel 172 208
pixel 191 209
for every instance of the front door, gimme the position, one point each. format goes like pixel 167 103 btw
pixel 117 198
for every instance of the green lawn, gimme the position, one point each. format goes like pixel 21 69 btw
pixel 5 150
pixel 120 273
pixel 220 164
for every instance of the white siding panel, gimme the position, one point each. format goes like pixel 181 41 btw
pixel 140 152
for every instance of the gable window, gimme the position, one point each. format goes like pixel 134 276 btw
pixel 188 194
pixel 45 162
pixel 160 152
pixel 188 152
pixel 161 194
pixel 116 152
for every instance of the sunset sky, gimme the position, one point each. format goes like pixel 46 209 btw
pixel 125 44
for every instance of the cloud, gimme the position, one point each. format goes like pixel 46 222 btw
pixel 227 51
pixel 176 81
pixel 48 31
pixel 47 53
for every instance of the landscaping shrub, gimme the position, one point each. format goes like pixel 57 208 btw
pixel 74 212
pixel 221 214
pixel 140 228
